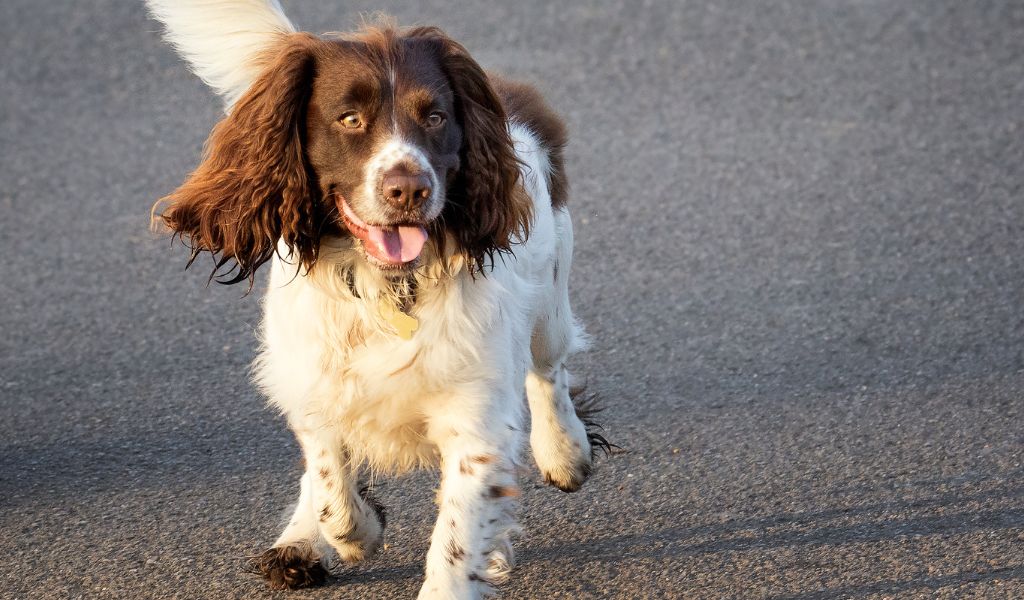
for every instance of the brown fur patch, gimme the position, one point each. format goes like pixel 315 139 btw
pixel 525 105
pixel 252 188
pixel 454 552
pixel 488 210
pixel 501 491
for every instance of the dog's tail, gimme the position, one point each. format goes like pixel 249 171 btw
pixel 224 41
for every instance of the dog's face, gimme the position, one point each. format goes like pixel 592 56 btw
pixel 383 140
pixel 392 138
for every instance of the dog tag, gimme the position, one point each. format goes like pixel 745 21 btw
pixel 404 324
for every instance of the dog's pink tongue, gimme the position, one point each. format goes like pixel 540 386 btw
pixel 395 245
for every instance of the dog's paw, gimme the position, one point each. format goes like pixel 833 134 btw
pixel 573 463
pixel 289 568
pixel 571 478
pixel 563 453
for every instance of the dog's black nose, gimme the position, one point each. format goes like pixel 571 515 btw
pixel 405 190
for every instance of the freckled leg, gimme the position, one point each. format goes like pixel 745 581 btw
pixel 333 512
pixel 348 518
pixel 470 549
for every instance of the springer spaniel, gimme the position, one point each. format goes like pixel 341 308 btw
pixel 413 212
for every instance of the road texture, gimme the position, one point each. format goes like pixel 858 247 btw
pixel 800 250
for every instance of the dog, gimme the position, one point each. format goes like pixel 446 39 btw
pixel 413 212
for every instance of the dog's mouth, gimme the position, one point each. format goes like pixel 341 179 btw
pixel 393 246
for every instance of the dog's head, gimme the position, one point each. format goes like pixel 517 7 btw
pixel 394 138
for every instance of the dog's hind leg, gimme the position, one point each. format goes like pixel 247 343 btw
pixel 558 437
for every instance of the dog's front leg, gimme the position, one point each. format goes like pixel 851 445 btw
pixel 334 510
pixel 470 548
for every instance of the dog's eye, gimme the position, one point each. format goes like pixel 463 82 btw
pixel 351 120
pixel 435 119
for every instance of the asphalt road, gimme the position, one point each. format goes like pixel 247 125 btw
pixel 800 249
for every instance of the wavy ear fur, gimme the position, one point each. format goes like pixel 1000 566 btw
pixel 488 210
pixel 252 186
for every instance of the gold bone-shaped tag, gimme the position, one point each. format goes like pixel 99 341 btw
pixel 404 324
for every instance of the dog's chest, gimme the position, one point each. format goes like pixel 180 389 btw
pixel 337 361
pixel 380 395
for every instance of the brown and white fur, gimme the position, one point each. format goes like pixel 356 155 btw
pixel 398 133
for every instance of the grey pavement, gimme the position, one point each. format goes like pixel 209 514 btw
pixel 800 250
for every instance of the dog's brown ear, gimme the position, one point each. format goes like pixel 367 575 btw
pixel 488 211
pixel 252 187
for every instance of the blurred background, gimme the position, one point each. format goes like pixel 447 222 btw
pixel 799 250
